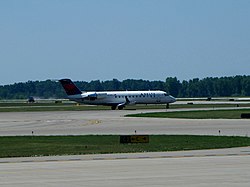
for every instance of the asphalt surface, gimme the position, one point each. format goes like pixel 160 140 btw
pixel 223 167
pixel 113 122
pixel 190 171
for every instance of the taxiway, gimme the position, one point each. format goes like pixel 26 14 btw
pixel 113 122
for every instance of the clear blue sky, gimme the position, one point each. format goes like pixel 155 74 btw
pixel 131 39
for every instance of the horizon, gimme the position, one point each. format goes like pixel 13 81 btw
pixel 163 80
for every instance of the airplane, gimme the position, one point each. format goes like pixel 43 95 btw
pixel 115 99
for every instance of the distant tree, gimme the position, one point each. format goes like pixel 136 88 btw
pixel 207 87
pixel 95 86
pixel 111 85
pixel 173 86
pixel 245 86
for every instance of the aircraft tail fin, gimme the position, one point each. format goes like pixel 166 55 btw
pixel 69 87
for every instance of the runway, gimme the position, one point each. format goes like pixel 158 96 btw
pixel 223 167
pixel 113 122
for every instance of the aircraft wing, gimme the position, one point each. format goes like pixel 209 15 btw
pixel 127 102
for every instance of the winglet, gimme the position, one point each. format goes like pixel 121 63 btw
pixel 69 87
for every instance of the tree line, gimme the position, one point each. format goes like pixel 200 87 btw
pixel 207 87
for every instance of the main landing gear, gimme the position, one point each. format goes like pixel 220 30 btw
pixel 119 107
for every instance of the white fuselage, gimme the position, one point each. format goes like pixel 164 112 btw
pixel 123 97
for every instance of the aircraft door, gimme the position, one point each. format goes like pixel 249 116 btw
pixel 158 98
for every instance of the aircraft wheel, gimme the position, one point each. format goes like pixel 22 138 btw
pixel 167 106
pixel 113 107
pixel 120 107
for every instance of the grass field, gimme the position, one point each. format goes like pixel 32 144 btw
pixel 203 114
pixel 26 146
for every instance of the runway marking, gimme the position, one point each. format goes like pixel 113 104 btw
pixel 16 160
pixel 94 122
pixel 74 159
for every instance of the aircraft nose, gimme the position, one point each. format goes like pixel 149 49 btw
pixel 172 99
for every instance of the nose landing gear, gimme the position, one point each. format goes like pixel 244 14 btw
pixel 167 106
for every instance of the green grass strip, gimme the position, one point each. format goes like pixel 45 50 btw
pixel 203 114
pixel 26 146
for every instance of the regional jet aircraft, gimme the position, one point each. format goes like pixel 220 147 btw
pixel 115 99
